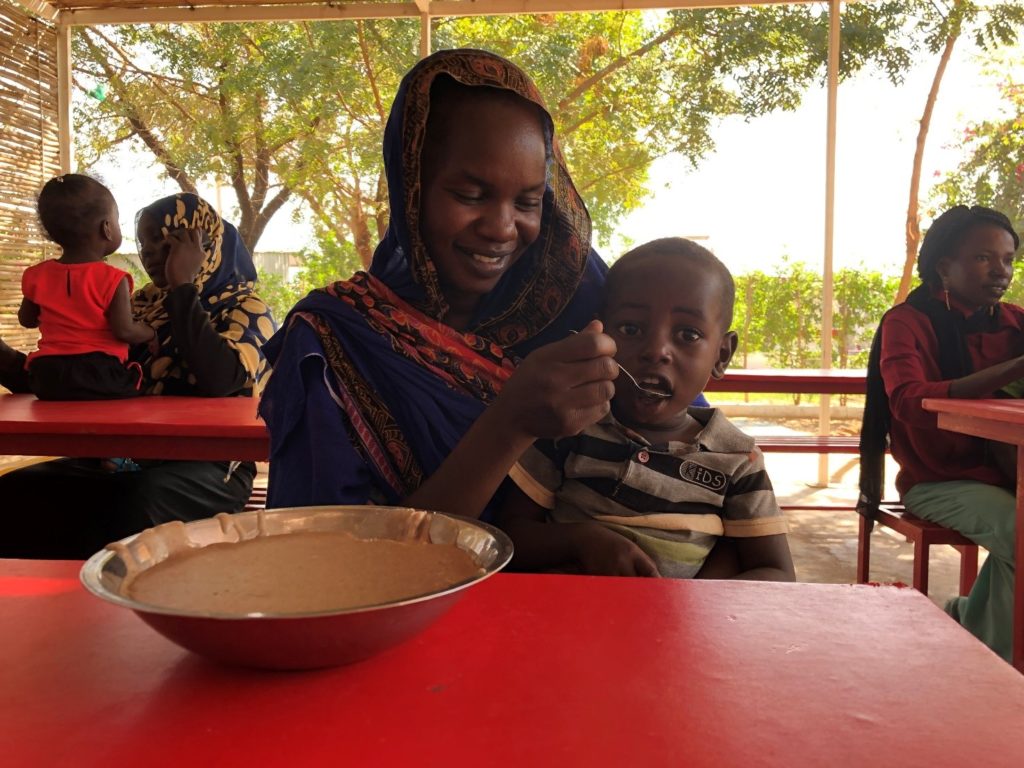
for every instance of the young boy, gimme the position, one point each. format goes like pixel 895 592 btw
pixel 656 485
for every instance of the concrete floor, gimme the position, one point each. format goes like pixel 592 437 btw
pixel 824 543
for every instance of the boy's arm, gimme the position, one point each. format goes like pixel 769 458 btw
pixel 757 526
pixel 591 547
pixel 119 317
pixel 764 558
pixel 28 314
pixel 523 520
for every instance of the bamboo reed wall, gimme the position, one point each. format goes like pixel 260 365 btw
pixel 29 153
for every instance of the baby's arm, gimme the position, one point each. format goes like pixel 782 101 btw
pixel 588 546
pixel 119 316
pixel 28 314
pixel 764 558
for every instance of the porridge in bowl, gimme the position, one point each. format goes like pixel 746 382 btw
pixel 300 573
pixel 297 588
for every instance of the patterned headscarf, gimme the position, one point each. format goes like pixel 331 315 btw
pixel 226 290
pixel 541 284
pixel 404 386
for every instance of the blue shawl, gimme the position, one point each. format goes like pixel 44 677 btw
pixel 370 391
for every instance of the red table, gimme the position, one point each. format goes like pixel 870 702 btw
pixel 525 671
pixel 808 381
pixel 1001 420
pixel 200 428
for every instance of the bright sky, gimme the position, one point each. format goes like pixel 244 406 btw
pixel 761 194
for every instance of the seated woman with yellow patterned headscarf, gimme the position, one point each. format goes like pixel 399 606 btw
pixel 211 327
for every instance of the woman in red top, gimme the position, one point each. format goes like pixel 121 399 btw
pixel 80 304
pixel 952 338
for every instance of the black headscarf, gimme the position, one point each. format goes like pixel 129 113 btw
pixel 951 329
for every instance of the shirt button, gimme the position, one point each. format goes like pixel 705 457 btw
pixel 643 457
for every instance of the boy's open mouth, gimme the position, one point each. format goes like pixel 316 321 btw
pixel 658 384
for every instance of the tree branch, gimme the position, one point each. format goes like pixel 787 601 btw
pixel 267 214
pixel 152 77
pixel 913 223
pixel 588 83
pixel 370 76
pixel 619 171
pixel 174 171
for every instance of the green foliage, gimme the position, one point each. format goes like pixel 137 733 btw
pixel 791 316
pixel 298 110
pixel 992 172
pixel 938 26
pixel 861 298
pixel 279 294
pixel 331 262
pixel 627 88
pixel 747 317
pixel 779 315
pixel 1015 293
pixel 278 110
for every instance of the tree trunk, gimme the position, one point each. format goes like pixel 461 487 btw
pixel 255 222
pixel 913 233
pixel 360 229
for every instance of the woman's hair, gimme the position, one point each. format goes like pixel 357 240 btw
pixel 948 231
pixel 72 206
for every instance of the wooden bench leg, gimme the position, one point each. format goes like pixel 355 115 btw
pixel 921 553
pixel 863 549
pixel 968 568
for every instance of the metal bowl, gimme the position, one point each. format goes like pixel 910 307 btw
pixel 296 641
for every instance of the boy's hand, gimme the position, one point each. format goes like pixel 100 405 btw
pixel 562 388
pixel 603 552
pixel 185 257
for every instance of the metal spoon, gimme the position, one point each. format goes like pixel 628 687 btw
pixel 632 378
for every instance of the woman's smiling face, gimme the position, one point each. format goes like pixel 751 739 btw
pixel 483 179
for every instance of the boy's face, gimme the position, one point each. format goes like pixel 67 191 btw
pixel 665 315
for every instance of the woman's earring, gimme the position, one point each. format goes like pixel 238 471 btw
pixel 946 292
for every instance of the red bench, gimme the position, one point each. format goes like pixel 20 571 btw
pixel 832 381
pixel 808 443
pixel 923 534
pixel 807 381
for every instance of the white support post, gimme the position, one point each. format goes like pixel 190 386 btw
pixel 827 293
pixel 64 97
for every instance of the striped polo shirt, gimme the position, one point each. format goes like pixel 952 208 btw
pixel 673 499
